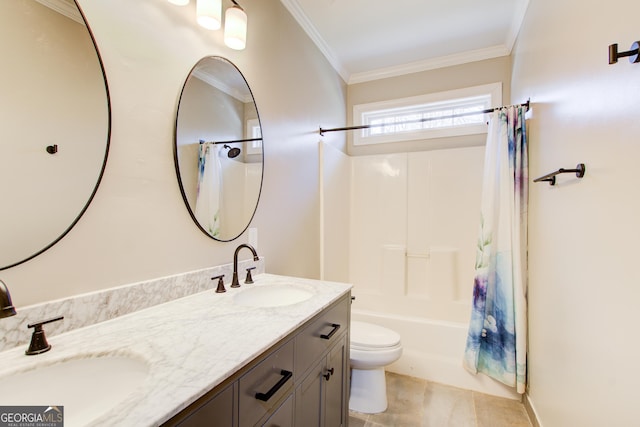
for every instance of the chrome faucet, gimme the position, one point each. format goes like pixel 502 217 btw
pixel 234 282
pixel 6 306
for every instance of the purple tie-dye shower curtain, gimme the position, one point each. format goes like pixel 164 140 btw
pixel 496 343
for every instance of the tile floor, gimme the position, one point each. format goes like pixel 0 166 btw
pixel 418 403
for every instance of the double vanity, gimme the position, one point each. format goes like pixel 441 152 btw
pixel 275 352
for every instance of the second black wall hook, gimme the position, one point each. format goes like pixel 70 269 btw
pixel 633 54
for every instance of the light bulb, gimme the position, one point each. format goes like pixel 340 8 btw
pixel 209 13
pixel 235 28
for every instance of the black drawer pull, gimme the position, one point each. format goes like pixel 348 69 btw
pixel 328 336
pixel 266 396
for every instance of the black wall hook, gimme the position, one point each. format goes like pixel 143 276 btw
pixel 551 177
pixel 633 54
pixel 52 149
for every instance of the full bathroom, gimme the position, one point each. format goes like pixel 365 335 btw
pixel 307 204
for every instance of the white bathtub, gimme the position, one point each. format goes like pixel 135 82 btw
pixel 432 350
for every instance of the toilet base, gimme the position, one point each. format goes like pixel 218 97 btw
pixel 368 391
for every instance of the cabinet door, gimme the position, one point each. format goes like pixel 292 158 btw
pixel 283 416
pixel 309 398
pixel 217 412
pixel 335 385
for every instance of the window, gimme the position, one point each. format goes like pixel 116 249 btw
pixel 254 131
pixel 418 117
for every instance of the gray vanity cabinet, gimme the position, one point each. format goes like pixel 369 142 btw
pixel 302 381
pixel 321 395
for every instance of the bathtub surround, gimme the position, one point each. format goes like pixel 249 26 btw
pixel 88 309
pixel 414 225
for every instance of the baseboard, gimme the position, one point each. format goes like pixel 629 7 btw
pixel 531 412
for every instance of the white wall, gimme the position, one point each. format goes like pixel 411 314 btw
pixel 583 234
pixel 137 227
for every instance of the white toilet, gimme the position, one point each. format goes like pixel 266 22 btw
pixel 372 348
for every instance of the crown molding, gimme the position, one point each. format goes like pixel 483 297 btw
pixel 412 67
pixel 220 85
pixel 67 8
pixel 431 64
pixel 516 24
pixel 296 11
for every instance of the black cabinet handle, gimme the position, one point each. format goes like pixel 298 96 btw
pixel 328 336
pixel 266 396
pixel 327 376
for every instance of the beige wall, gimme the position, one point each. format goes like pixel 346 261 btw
pixel 426 82
pixel 137 226
pixel 583 245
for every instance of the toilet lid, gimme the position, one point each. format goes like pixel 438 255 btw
pixel 372 336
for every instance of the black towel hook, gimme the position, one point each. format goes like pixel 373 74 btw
pixel 634 53
pixel 551 177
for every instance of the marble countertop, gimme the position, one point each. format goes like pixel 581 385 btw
pixel 190 345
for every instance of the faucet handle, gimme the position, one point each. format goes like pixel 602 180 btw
pixel 220 289
pixel 39 342
pixel 249 279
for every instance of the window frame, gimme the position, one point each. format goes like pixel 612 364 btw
pixel 253 147
pixel 494 90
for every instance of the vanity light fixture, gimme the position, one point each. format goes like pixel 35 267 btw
pixel 235 27
pixel 209 14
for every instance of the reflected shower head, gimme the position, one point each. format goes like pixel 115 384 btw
pixel 233 151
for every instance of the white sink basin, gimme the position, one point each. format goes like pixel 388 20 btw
pixel 272 295
pixel 87 387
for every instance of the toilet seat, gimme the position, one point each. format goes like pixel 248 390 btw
pixel 367 336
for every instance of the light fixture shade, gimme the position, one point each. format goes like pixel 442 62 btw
pixel 235 28
pixel 209 13
pixel 179 2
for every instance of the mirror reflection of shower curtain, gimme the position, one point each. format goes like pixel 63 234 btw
pixel 209 189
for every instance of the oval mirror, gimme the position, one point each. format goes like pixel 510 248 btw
pixel 218 149
pixel 55 130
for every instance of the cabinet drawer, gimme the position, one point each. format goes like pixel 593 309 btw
pixel 265 385
pixel 320 335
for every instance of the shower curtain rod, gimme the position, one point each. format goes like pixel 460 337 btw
pixel 427 119
pixel 202 141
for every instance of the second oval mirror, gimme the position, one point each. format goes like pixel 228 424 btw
pixel 218 149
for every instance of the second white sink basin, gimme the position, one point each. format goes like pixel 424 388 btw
pixel 86 387
pixel 272 295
